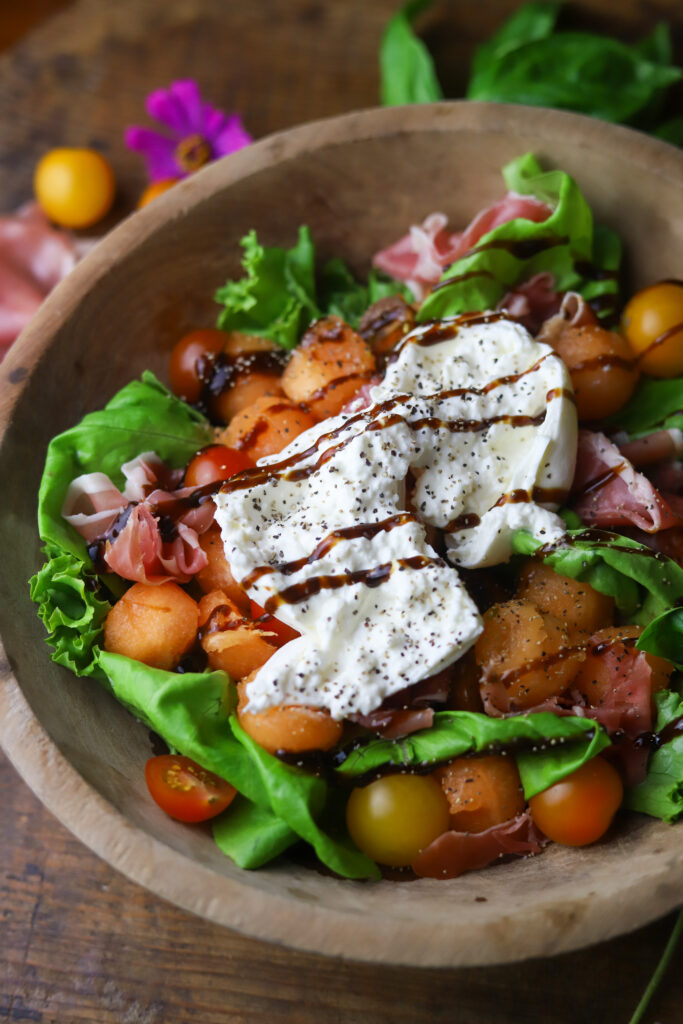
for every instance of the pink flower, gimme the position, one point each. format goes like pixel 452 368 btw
pixel 196 132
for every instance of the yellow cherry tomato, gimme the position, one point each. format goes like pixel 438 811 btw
pixel 652 323
pixel 154 189
pixel 395 817
pixel 74 187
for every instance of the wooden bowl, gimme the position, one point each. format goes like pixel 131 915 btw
pixel 358 181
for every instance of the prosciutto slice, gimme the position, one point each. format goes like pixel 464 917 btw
pixel 34 257
pixel 140 553
pixel 92 504
pixel 609 492
pixel 533 302
pixel 157 539
pixel 453 853
pixel 420 257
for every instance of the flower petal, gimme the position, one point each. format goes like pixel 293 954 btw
pixel 186 95
pixel 165 108
pixel 232 137
pixel 158 151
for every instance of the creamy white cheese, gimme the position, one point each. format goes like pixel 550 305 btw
pixel 483 417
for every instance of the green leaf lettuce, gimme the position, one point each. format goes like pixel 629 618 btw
pixel 568 245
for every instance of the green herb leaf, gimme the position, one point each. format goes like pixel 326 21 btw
pixel 577 71
pixel 276 299
pixel 643 586
pixel 143 416
pixel 530 23
pixel 193 713
pixel 664 637
pixel 661 793
pixel 251 835
pixel 566 244
pixel 455 733
pixel 73 613
pixel 341 295
pixel 656 405
pixel 407 72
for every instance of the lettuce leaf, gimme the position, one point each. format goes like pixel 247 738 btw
pixel 455 733
pixel 642 585
pixel 407 73
pixel 579 256
pixel 526 62
pixel 73 612
pixel 279 296
pixel 656 405
pixel 251 835
pixel 143 416
pixel 193 713
pixel 661 793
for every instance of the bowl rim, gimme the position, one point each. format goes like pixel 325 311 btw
pixel 98 824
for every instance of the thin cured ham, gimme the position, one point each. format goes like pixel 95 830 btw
pixel 453 853
pixel 533 302
pixel 420 257
pixel 92 504
pixel 608 492
pixel 141 553
pixel 150 538
pixel 34 257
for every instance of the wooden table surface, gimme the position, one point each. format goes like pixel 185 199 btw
pixel 79 942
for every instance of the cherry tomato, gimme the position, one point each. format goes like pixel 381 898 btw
pixel 579 809
pixel 215 462
pixel 649 316
pixel 184 790
pixel 185 370
pixel 396 816
pixel 74 187
pixel 154 189
pixel 283 632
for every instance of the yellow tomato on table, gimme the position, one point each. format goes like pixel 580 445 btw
pixel 74 187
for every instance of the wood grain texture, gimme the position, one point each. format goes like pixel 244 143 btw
pixel 78 941
pixel 82 944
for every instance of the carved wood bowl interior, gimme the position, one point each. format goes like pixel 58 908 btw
pixel 358 181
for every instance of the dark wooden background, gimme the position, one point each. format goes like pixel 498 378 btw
pixel 78 942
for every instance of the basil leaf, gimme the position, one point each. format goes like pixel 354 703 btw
pixel 455 733
pixel 276 299
pixel 143 416
pixel 566 244
pixel 661 793
pixel 664 637
pixel 643 585
pixel 656 404
pixel 342 295
pixel 575 71
pixel 531 22
pixel 407 72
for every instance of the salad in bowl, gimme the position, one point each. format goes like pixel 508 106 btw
pixel 394 568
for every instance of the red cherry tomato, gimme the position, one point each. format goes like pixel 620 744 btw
pixel 184 790
pixel 579 809
pixel 215 462
pixel 283 632
pixel 185 368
